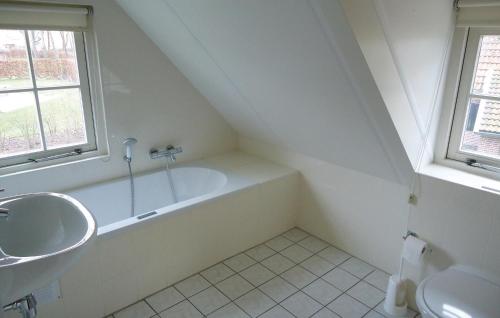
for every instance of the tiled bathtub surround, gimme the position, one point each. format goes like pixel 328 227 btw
pixel 292 275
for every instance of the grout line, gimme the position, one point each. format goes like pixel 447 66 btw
pixel 173 304
pixel 147 304
pixel 317 278
pixel 234 302
pixel 130 305
pixel 258 287
pixel 231 300
pixel 240 253
pixel 323 306
pixel 200 291
pixel 277 305
pixel 195 307
pixel 320 277
pixel 154 310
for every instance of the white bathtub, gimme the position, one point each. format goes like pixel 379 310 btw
pixel 110 201
pixel 231 203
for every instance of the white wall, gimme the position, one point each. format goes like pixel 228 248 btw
pixel 405 44
pixel 362 214
pixel 418 34
pixel 145 97
pixel 285 72
pixel 367 216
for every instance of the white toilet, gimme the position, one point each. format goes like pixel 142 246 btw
pixel 459 292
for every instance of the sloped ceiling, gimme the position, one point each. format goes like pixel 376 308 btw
pixel 287 72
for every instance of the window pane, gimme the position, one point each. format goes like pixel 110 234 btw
pixel 19 128
pixel 54 58
pixel 63 119
pixel 482 128
pixel 487 77
pixel 14 65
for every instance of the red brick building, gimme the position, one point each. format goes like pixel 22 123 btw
pixel 482 127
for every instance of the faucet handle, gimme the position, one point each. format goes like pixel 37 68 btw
pixel 173 149
pixel 153 153
pixel 4 213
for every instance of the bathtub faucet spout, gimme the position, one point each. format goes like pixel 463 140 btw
pixel 169 153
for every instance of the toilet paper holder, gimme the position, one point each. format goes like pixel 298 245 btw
pixel 428 250
pixel 410 233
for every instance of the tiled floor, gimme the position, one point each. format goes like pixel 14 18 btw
pixel 292 275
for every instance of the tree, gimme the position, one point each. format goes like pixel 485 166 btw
pixel 50 41
pixel 64 39
pixel 50 124
pixel 3 138
pixel 28 127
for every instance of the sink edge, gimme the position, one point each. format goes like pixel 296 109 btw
pixel 7 260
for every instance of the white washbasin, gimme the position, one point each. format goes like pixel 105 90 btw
pixel 43 236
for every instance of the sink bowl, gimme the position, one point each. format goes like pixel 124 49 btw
pixel 42 237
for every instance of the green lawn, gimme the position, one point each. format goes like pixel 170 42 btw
pixel 7 83
pixel 15 83
pixel 61 115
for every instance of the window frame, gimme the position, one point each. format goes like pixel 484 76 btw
pixel 86 99
pixel 464 55
pixel 98 111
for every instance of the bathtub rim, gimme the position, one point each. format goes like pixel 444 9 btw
pixel 190 164
pixel 234 183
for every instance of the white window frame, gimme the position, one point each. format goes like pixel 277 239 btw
pixel 83 86
pixel 453 114
pixel 97 146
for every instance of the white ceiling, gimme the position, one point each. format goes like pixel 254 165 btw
pixel 287 72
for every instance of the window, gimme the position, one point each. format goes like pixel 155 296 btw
pixel 475 133
pixel 45 106
pixel 46 90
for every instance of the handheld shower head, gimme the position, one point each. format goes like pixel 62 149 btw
pixel 127 143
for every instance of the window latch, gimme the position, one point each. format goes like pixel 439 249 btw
pixel 476 164
pixel 76 152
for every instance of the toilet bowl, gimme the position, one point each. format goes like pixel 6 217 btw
pixel 459 292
